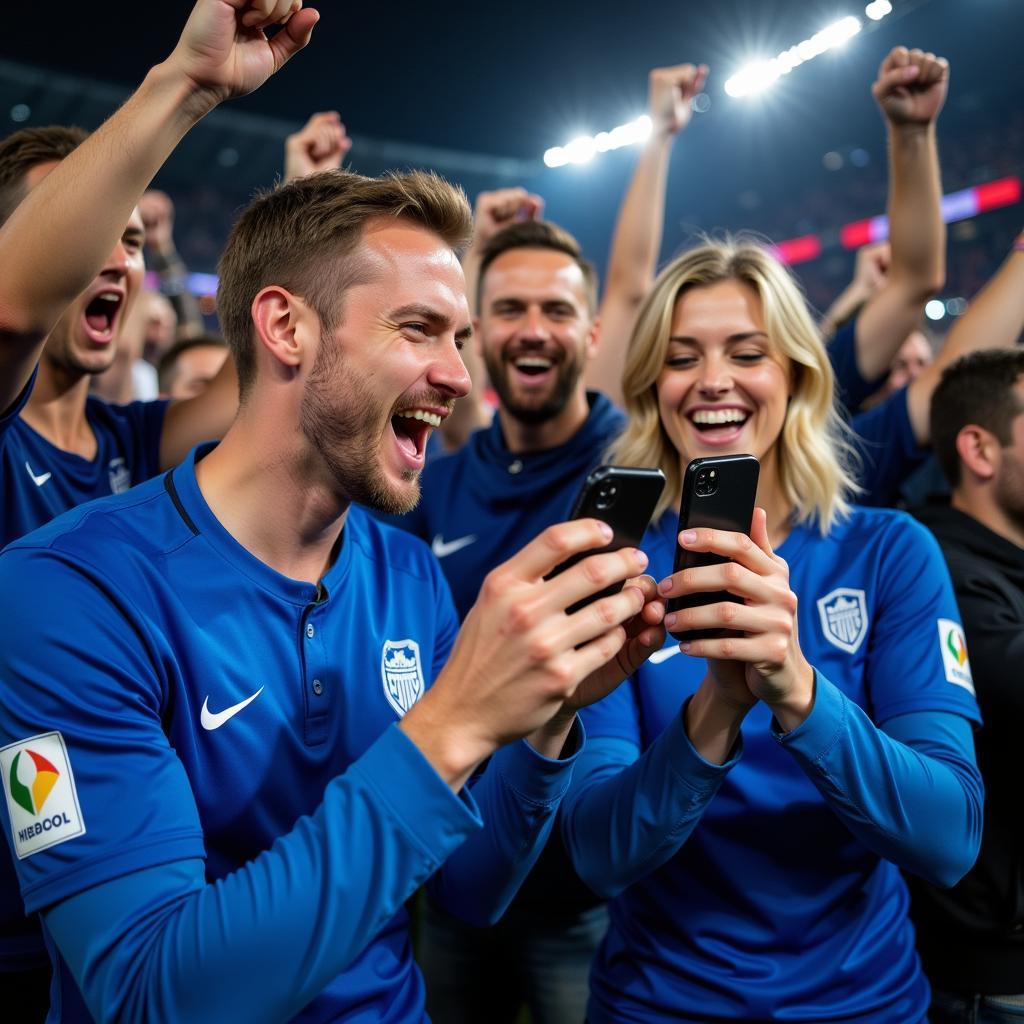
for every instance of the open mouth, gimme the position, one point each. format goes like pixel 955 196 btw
pixel 412 429
pixel 101 315
pixel 719 426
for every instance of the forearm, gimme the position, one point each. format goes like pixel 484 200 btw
pixel 995 317
pixel 919 806
pixel 625 815
pixel 261 943
pixel 518 795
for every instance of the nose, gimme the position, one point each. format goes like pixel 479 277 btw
pixel 534 326
pixel 715 378
pixel 448 373
pixel 118 261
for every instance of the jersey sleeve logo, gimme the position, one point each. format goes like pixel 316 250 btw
pixel 401 669
pixel 119 475
pixel 844 618
pixel 954 654
pixel 41 797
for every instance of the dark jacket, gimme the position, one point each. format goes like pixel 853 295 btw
pixel 971 937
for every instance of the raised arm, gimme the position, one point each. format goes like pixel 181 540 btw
pixel 56 240
pixel 637 239
pixel 870 275
pixel 994 319
pixel 910 90
pixel 319 145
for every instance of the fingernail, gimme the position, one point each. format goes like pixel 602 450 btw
pixel 664 586
pixel 607 531
pixel 684 647
pixel 641 558
pixel 670 620
pixel 688 537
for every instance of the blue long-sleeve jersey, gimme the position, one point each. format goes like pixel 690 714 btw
pixel 206 792
pixel 768 888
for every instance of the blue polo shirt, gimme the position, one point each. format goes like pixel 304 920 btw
pixel 180 711
pixel 781 904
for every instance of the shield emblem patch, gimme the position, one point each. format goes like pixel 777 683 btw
pixel 401 670
pixel 844 618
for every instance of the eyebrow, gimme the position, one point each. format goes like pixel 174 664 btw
pixel 432 316
pixel 685 339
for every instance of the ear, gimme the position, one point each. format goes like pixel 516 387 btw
pixel 979 451
pixel 284 326
pixel 593 336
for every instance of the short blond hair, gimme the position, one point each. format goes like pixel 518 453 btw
pixel 300 236
pixel 815 456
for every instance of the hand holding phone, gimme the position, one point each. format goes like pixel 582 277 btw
pixel 719 493
pixel 624 497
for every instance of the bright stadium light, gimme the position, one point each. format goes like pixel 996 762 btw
pixel 758 76
pixel 583 148
pixel 878 9
pixel 935 309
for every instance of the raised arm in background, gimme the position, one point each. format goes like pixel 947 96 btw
pixel 319 145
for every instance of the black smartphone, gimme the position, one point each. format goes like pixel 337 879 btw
pixel 718 492
pixel 624 497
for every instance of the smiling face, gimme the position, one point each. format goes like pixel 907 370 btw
pixel 536 332
pixel 390 371
pixel 724 387
pixel 84 340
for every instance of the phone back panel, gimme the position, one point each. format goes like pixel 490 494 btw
pixel 730 507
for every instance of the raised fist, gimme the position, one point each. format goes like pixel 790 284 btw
pixel 496 210
pixel 911 86
pixel 670 92
pixel 320 145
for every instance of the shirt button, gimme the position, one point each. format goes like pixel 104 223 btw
pixel 516 467
pixel 318 687
pixel 310 631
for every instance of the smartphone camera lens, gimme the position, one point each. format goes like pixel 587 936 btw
pixel 706 483
pixel 606 494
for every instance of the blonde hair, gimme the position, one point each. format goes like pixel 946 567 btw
pixel 814 454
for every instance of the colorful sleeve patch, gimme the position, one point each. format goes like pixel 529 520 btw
pixel 954 654
pixel 41 797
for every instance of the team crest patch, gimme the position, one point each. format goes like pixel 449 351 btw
pixel 954 654
pixel 119 475
pixel 401 670
pixel 41 797
pixel 844 618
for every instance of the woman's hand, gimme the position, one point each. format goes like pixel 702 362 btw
pixel 763 661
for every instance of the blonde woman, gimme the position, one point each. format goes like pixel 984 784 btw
pixel 748 802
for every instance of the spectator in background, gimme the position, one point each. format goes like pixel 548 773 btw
pixel 159 325
pixel 189 365
pixel 319 145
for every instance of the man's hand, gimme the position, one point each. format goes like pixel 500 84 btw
pixel 157 212
pixel 670 92
pixel 871 268
pixel 519 658
pixel 320 145
pixel 496 210
pixel 911 86
pixel 225 51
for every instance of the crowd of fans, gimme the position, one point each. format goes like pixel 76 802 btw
pixel 299 621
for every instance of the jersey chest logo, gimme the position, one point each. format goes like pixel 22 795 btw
pixel 844 618
pixel 119 475
pixel 401 670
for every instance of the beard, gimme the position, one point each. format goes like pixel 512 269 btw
pixel 1009 488
pixel 541 408
pixel 341 420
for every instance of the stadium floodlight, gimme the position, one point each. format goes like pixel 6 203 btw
pixel 758 76
pixel 583 148
pixel 878 9
pixel 935 309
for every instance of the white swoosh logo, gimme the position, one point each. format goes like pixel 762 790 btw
pixel 38 480
pixel 443 548
pixel 664 654
pixel 215 719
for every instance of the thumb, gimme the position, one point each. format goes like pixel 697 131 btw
pixel 759 531
pixel 294 35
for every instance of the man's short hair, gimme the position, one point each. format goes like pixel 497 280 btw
pixel 167 368
pixel 538 234
pixel 301 236
pixel 979 389
pixel 27 148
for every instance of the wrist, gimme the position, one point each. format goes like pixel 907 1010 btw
pixel 911 131
pixel 712 722
pixel 793 709
pixel 549 740
pixel 192 100
pixel 452 750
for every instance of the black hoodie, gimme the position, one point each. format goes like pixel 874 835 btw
pixel 971 937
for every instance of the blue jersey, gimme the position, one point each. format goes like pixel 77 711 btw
pixel 37 482
pixel 774 908
pixel 851 386
pixel 483 503
pixel 889 452
pixel 193 704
